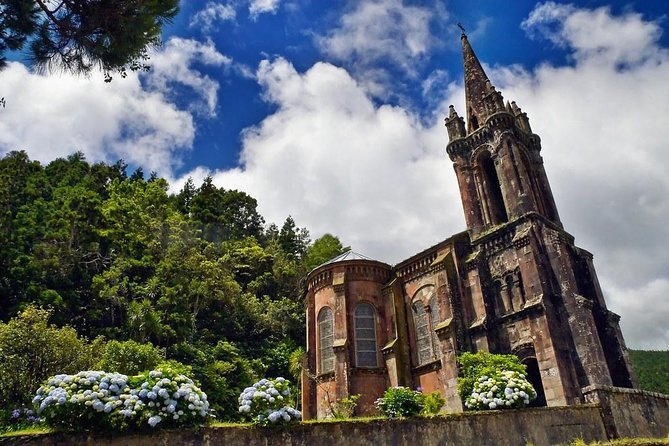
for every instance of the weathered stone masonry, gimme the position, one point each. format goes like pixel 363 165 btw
pixel 514 282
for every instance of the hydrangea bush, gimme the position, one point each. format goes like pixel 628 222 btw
pixel 400 402
pixel 506 390
pixel 267 402
pixel 113 402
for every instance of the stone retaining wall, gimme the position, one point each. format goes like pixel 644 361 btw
pixel 630 413
pixel 539 427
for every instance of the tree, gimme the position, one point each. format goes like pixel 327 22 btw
pixel 79 35
pixel 322 250
pixel 293 240
pixel 31 350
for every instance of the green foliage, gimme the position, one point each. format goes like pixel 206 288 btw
pixel 401 402
pixel 651 369
pixel 434 402
pixel 31 349
pixel 79 36
pixel 344 407
pixel 472 366
pixel 195 274
pixel 322 250
pixel 130 357
pixel 221 370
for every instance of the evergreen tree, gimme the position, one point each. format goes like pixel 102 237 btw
pixel 79 35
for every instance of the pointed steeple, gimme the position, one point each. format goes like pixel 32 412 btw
pixel 481 98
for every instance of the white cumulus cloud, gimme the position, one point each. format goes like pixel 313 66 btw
pixel 54 115
pixel 376 32
pixel 213 12
pixel 257 7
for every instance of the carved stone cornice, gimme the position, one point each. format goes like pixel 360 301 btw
pixel 583 302
pixel 444 329
pixel 389 348
pixel 339 345
pixel 369 371
pixel 433 365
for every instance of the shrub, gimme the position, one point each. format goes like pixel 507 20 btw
pixel 112 402
pixel 31 350
pixel 18 419
pixel 130 357
pixel 505 390
pixel 345 407
pixel 222 370
pixel 433 403
pixel 266 401
pixel 475 365
pixel 401 402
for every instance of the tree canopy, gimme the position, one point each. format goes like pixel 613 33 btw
pixel 195 277
pixel 79 35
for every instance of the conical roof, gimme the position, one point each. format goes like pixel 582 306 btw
pixel 476 83
pixel 348 255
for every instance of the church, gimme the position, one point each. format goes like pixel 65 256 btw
pixel 513 282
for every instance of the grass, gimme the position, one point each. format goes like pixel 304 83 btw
pixel 33 430
pixel 625 442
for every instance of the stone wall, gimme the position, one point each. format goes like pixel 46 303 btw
pixel 539 427
pixel 631 412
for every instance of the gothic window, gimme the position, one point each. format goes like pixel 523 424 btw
pixel 517 292
pixel 423 331
pixel 492 190
pixel 473 119
pixel 326 338
pixel 365 336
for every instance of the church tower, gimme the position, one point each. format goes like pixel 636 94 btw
pixel 500 171
pixel 528 289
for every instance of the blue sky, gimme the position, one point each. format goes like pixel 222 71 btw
pixel 332 112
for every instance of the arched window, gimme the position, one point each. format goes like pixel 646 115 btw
pixel 422 327
pixel 326 338
pixel 493 190
pixel 473 120
pixel 365 336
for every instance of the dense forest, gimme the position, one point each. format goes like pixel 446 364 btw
pixel 651 369
pixel 197 276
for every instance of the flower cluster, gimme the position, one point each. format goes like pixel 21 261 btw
pixel 400 402
pixel 97 398
pixel 507 390
pixel 266 402
pixel 21 416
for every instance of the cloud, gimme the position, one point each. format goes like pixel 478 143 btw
pixel 338 163
pixel 257 7
pixel 594 34
pixel 380 179
pixel 174 65
pixel 213 12
pixel 378 32
pixel 53 116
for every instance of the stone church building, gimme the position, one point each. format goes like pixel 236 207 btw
pixel 513 282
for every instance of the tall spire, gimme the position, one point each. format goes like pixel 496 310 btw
pixel 481 98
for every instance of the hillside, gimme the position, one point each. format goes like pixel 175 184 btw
pixel 652 369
